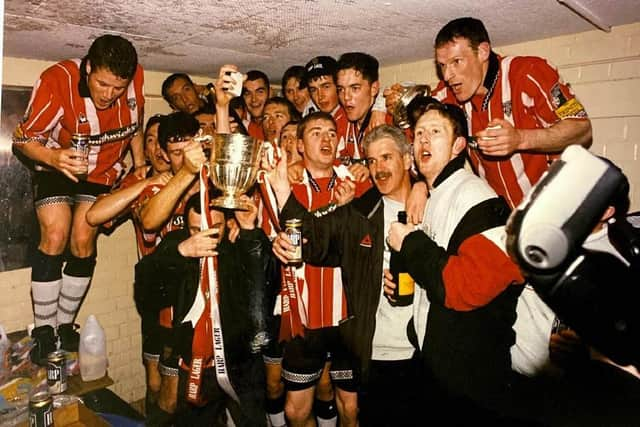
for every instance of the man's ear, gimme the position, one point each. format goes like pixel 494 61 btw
pixel 459 145
pixel 407 160
pixel 375 88
pixel 300 146
pixel 87 67
pixel 484 49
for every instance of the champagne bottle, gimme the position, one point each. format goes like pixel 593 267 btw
pixel 403 293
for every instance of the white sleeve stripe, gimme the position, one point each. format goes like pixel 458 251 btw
pixel 498 236
pixel 542 92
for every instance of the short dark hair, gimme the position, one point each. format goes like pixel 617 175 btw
pixel 279 100
pixel 177 125
pixel 166 84
pixel 113 53
pixel 253 75
pixel 454 115
pixel 155 119
pixel 316 115
pixel 193 203
pixel 363 63
pixel 417 107
pixel 296 71
pixel 237 102
pixel 468 28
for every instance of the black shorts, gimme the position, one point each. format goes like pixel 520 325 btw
pixel 53 188
pixel 272 352
pixel 304 360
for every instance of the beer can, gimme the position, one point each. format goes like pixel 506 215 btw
pixel 80 143
pixel 56 372
pixel 293 228
pixel 41 410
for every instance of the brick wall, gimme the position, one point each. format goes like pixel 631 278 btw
pixel 604 71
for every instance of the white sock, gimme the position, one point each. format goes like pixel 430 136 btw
pixel 45 302
pixel 277 420
pixel 73 289
pixel 330 422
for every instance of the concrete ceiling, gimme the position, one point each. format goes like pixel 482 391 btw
pixel 197 36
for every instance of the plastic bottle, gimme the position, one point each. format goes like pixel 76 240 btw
pixel 93 350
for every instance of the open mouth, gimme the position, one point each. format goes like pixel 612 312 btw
pixel 425 155
pixel 456 87
pixel 326 149
pixel 382 177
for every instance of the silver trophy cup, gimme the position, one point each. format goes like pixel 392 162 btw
pixel 233 166
pixel 409 92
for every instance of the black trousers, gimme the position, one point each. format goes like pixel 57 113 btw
pixel 392 394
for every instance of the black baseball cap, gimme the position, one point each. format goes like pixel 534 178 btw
pixel 320 66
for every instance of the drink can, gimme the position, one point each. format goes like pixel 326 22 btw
pixel 293 228
pixel 80 143
pixel 56 372
pixel 41 410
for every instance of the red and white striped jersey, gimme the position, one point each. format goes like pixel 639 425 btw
pixel 321 289
pixel 342 124
pixel 528 92
pixel 57 109
pixel 148 240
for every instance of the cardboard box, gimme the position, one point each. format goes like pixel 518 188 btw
pixel 75 415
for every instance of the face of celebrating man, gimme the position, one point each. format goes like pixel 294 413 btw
pixel 289 143
pixel 435 144
pixel 153 150
pixel 462 68
pixel 388 167
pixel 298 96
pixel 255 94
pixel 183 96
pixel 217 220
pixel 356 94
pixel 324 93
pixel 104 86
pixel 318 145
pixel 275 116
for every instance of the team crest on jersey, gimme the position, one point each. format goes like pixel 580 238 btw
pixel 82 118
pixel 131 102
pixel 506 108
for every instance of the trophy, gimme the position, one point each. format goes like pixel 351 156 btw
pixel 233 166
pixel 409 92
